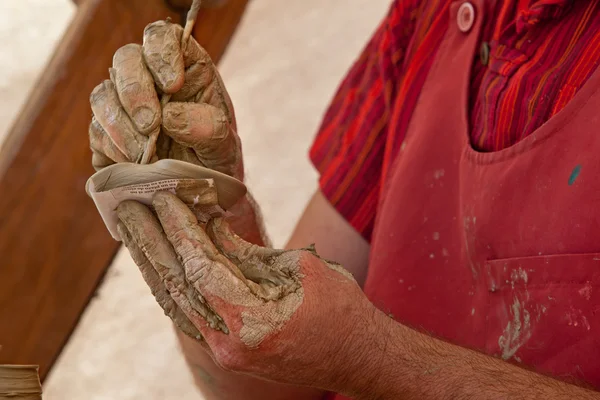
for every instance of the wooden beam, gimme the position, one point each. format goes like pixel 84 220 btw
pixel 178 5
pixel 185 4
pixel 54 247
pixel 215 26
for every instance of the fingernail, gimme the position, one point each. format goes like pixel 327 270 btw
pixel 143 117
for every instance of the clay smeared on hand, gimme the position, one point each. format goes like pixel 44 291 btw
pixel 211 266
pixel 165 99
pixel 111 116
pixel 135 87
pixel 146 233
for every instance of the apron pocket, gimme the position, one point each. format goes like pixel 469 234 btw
pixel 544 311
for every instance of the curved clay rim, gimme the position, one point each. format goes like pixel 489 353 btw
pixel 229 190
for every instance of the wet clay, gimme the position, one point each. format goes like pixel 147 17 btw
pixel 269 274
pixel 261 322
pixel 272 276
pixel 20 382
pixel 115 121
pixel 156 285
pixel 269 288
pixel 192 122
pixel 268 318
pixel 146 232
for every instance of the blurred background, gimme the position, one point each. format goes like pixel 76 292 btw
pixel 281 68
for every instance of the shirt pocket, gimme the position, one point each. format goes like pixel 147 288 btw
pixel 544 311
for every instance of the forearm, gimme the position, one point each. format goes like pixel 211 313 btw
pixel 402 363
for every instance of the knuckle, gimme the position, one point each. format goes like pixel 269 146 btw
pixel 99 93
pixel 96 128
pixel 153 27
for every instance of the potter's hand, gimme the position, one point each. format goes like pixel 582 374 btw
pixel 280 315
pixel 197 125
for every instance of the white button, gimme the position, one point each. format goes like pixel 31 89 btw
pixel 465 17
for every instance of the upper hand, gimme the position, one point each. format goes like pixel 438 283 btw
pixel 197 125
pixel 287 316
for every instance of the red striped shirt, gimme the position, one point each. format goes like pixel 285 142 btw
pixel 540 53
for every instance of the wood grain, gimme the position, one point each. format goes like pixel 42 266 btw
pixel 216 26
pixel 54 247
pixel 185 4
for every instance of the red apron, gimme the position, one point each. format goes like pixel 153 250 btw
pixel 494 251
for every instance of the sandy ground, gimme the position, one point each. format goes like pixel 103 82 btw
pixel 281 70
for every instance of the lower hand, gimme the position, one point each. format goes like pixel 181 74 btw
pixel 287 316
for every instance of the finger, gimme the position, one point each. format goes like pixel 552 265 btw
pixel 163 56
pixel 211 273
pixel 156 285
pixel 199 72
pixel 216 95
pixel 147 233
pixel 135 87
pixel 206 130
pixel 202 79
pixel 203 83
pixel 232 246
pixel 100 161
pixel 115 121
pixel 101 143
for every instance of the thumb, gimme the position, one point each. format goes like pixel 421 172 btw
pixel 234 247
